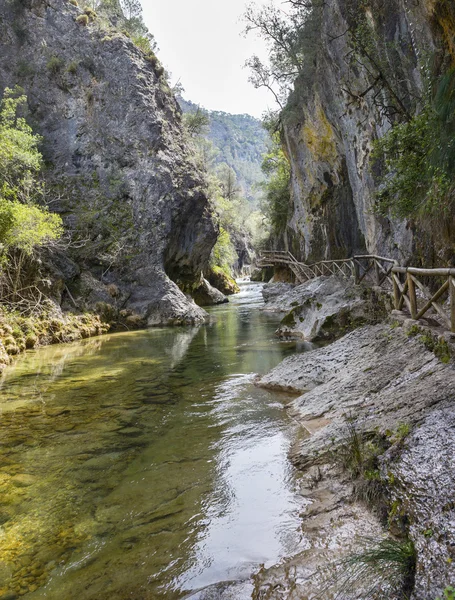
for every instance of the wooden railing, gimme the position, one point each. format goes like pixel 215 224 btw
pixel 436 294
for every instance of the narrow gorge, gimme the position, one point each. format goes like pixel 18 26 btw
pixel 227 343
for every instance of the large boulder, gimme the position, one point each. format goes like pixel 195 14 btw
pixel 322 308
pixel 396 390
pixel 207 295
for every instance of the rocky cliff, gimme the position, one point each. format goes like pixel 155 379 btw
pixel 120 171
pixel 365 70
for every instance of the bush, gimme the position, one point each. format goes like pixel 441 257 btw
pixel 72 67
pixel 91 14
pixel 55 64
pixel 74 2
pixel 25 227
pixel 223 253
pixel 82 20
pixel 449 593
pixel 418 158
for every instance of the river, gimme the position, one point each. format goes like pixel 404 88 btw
pixel 146 464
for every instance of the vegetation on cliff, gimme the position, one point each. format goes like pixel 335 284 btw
pixel 419 157
pixel 26 225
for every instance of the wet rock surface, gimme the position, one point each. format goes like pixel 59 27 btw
pixel 207 295
pixel 383 379
pixel 322 308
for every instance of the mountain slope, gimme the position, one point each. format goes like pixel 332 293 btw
pixel 240 142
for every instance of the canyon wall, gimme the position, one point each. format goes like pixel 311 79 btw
pixel 120 171
pixel 366 70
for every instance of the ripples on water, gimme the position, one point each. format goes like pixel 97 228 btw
pixel 146 464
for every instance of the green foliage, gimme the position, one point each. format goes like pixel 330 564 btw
pixel 55 64
pixel 26 227
pixel 144 43
pixel 23 225
pixel 223 254
pixel 82 20
pixel 72 67
pixel 277 203
pixel 356 454
pixel 91 14
pixel 238 141
pixel 418 158
pixel 449 593
pixel 20 160
pixel 196 122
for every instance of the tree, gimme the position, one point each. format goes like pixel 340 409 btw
pixel 132 9
pixel 277 202
pixel 24 225
pixel 197 122
pixel 281 31
pixel 228 182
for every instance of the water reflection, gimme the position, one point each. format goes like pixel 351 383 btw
pixel 146 464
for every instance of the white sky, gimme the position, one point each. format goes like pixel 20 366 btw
pixel 201 44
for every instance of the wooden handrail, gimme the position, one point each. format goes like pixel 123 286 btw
pixel 381 269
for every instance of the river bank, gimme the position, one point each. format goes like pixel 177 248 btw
pixel 376 407
pixel 51 325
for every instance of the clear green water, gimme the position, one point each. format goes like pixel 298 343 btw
pixel 146 464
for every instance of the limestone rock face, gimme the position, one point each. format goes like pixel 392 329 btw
pixel 335 114
pixel 322 308
pixel 123 174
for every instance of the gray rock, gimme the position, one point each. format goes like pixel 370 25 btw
pixel 322 308
pixel 332 122
pixel 207 295
pixel 382 378
pixel 113 136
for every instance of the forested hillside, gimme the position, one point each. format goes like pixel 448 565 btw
pixel 240 142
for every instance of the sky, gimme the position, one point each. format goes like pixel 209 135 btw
pixel 200 43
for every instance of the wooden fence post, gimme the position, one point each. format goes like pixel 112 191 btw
pixel 356 271
pixel 452 302
pixel 376 272
pixel 396 291
pixel 412 295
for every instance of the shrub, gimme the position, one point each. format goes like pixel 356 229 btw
pixel 143 43
pixel 55 64
pixel 359 455
pixel 82 20
pixel 91 14
pixel 74 2
pixel 72 67
pixel 418 157
pixel 449 593
pixel 24 226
